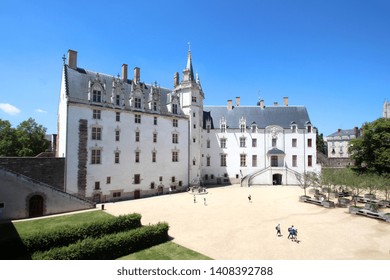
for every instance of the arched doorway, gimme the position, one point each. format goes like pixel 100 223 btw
pixel 35 207
pixel 277 179
pixel 137 194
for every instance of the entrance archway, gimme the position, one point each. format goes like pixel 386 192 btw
pixel 35 207
pixel 277 179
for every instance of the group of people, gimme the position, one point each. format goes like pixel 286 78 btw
pixel 292 233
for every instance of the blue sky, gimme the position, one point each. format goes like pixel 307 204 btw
pixel 331 56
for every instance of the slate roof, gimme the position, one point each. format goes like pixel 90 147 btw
pixel 343 132
pixel 278 115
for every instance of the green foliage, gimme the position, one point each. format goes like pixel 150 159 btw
pixel 321 145
pixel 371 152
pixel 7 139
pixel 28 139
pixel 65 235
pixel 110 246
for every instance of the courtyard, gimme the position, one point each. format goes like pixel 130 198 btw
pixel 230 227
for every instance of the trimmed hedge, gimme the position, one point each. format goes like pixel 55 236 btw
pixel 65 235
pixel 110 246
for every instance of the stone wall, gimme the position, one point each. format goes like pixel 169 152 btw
pixel 47 170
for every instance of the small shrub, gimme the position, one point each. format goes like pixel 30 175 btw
pixel 66 235
pixel 110 246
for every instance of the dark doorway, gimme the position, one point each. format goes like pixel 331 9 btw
pixel 35 208
pixel 137 194
pixel 277 179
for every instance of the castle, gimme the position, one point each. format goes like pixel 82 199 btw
pixel 124 139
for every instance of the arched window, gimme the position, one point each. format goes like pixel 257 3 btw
pixel 35 207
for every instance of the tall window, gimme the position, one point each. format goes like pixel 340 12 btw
pixel 154 106
pixel 116 157
pixel 274 161
pixel 155 120
pixel 223 159
pixel 175 138
pixel 208 127
pixel 96 114
pixel 96 156
pixel 274 142
pixel 137 156
pixel 223 128
pixel 208 161
pixel 137 136
pixel 174 108
pixel 96 133
pixel 137 118
pixel 117 135
pixel 117 100
pixel 193 98
pixel 294 142
pixel 154 156
pixel 309 142
pixel 117 116
pixel 175 156
pixel 223 143
pixel 208 143
pixel 137 178
pixel 175 123
pixel 309 160
pixel 137 103
pixel 154 137
pixel 242 127
pixel 242 142
pixel 242 160
pixel 254 142
pixel 294 161
pixel 254 160
pixel 96 96
pixel 254 127
pixel 309 128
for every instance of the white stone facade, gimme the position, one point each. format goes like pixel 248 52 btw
pixel 124 139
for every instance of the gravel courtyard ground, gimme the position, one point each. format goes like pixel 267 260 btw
pixel 230 227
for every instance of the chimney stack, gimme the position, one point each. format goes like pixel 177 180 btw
pixel 285 101
pixel 72 59
pixel 275 104
pixel 237 101
pixel 176 79
pixel 230 106
pixel 262 104
pixel 124 72
pixel 137 75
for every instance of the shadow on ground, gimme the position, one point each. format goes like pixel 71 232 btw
pixel 11 245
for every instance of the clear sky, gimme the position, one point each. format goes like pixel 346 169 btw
pixel 333 56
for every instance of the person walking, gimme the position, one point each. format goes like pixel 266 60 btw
pixel 278 230
pixel 204 200
pixel 290 232
pixel 249 198
pixel 194 199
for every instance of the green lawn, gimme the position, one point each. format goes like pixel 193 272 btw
pixel 166 251
pixel 32 226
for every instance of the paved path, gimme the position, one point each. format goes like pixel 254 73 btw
pixel 230 227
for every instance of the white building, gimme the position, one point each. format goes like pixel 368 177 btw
pixel 338 145
pixel 125 139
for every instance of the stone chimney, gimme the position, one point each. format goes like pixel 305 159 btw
pixel 229 105
pixel 237 101
pixel 275 104
pixel 262 104
pixel 285 101
pixel 72 59
pixel 124 72
pixel 137 75
pixel 176 81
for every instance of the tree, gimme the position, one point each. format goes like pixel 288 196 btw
pixel 7 139
pixel 321 145
pixel 307 179
pixel 30 138
pixel 371 152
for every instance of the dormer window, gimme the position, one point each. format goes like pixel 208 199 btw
pixel 253 127
pixel 137 103
pixel 293 127
pixel 223 128
pixel 308 127
pixel 96 96
pixel 174 108
pixel 242 124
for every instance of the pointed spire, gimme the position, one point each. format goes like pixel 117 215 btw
pixel 189 66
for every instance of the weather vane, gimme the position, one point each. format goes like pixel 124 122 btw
pixel 189 46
